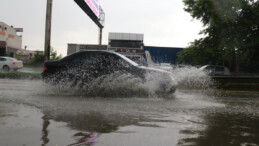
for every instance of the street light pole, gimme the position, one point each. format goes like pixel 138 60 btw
pixel 48 31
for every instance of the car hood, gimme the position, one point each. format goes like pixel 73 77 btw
pixel 154 69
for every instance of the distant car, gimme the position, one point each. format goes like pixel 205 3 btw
pixel 165 66
pixel 9 63
pixel 216 70
pixel 88 65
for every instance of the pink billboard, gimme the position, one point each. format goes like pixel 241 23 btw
pixel 94 6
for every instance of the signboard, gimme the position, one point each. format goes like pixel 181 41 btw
pixel 92 9
pixel 127 51
pixel 93 47
pixel 18 29
pixel 94 6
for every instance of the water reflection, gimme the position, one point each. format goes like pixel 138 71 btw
pixel 97 122
pixel 224 130
pixel 45 131
pixel 236 124
pixel 85 139
pixel 94 124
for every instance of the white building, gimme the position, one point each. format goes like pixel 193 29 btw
pixel 128 44
pixel 10 40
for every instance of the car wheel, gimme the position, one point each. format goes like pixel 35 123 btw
pixel 6 68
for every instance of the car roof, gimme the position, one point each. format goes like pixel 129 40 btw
pixel 6 57
pixel 110 52
pixel 214 65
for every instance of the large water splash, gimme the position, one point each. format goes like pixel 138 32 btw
pixel 114 85
pixel 190 77
pixel 126 85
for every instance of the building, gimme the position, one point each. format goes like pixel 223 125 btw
pixel 10 40
pixel 163 54
pixel 128 44
pixel 132 46
pixel 72 48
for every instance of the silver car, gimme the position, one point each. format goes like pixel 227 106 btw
pixel 216 70
pixel 9 63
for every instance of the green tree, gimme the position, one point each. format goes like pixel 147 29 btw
pixel 54 55
pixel 37 58
pixel 231 29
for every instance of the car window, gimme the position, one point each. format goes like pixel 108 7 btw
pixel 128 60
pixel 115 61
pixel 2 59
pixel 82 58
pixel 107 60
pixel 219 68
pixel 89 59
pixel 210 68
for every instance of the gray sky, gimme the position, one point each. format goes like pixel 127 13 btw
pixel 163 23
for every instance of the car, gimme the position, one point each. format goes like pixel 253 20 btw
pixel 216 70
pixel 9 63
pixel 88 65
pixel 165 66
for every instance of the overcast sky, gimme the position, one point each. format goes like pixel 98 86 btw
pixel 163 23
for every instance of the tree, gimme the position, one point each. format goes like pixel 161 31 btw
pixel 37 58
pixel 53 55
pixel 231 30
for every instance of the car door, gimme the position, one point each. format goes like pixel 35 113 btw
pixel 210 70
pixel 219 70
pixel 112 63
pixel 84 66
pixel 2 62
pixel 107 63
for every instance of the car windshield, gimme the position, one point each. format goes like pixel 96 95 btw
pixel 127 59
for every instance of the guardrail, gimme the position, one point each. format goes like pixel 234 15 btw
pixel 236 79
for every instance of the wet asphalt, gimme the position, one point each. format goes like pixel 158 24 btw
pixel 35 113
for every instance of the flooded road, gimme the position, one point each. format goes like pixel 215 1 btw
pixel 34 113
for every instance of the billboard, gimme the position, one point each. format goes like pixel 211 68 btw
pixel 92 9
pixel 18 29
pixel 94 6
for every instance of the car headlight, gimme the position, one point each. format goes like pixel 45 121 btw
pixel 173 80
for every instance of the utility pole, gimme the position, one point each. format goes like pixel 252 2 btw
pixel 48 31
pixel 6 46
pixel 100 37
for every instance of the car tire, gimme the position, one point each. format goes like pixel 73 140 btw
pixel 6 68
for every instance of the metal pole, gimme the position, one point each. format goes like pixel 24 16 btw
pixel 48 31
pixel 100 37
pixel 6 46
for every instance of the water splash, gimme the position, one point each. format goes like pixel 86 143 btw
pixel 120 84
pixel 189 77
pixel 114 85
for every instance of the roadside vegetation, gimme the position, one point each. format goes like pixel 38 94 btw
pixel 231 34
pixel 20 75
pixel 38 58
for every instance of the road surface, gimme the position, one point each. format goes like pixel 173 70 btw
pixel 35 113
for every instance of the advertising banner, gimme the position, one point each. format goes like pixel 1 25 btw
pixel 94 6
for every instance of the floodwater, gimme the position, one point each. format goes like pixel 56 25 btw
pixel 34 113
